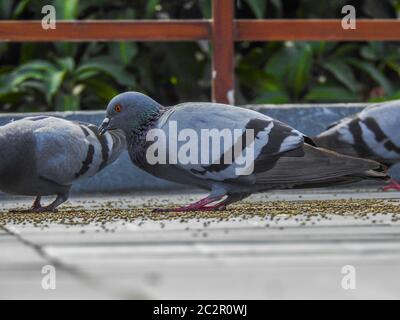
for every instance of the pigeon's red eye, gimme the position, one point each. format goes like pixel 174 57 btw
pixel 118 108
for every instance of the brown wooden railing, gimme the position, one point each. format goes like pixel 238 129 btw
pixel 222 30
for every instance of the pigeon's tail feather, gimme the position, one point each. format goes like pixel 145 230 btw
pixel 320 167
pixel 371 175
pixel 367 175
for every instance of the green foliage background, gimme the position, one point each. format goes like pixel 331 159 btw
pixel 71 76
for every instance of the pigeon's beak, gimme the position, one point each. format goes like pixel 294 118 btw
pixel 104 126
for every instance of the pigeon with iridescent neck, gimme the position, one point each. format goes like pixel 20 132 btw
pixel 374 134
pixel 44 156
pixel 279 156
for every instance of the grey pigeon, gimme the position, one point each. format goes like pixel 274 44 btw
pixel 374 133
pixel 283 156
pixel 43 156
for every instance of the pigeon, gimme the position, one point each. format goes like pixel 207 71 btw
pixel 283 156
pixel 374 134
pixel 42 156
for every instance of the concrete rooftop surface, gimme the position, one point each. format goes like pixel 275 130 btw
pixel 283 244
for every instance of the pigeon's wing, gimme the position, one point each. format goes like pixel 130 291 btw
pixel 67 151
pixel 347 119
pixel 373 133
pixel 342 137
pixel 231 141
pixel 339 122
pixel 381 129
pixel 318 167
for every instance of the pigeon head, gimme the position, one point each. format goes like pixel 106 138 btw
pixel 128 111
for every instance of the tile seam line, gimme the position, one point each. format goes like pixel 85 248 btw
pixel 75 272
pixel 39 250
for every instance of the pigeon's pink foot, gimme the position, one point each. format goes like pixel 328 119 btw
pixel 197 206
pixel 392 185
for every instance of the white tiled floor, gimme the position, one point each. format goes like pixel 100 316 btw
pixel 227 260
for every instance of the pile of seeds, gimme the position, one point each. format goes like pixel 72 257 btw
pixel 113 212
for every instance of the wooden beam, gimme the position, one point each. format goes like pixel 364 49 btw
pixel 328 30
pixel 223 51
pixel 138 30
pixel 193 30
pixel 223 30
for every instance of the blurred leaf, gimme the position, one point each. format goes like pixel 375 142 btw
pixel 66 10
pixel 342 72
pixel 255 58
pixel 5 69
pixel 150 8
pixel 86 74
pixel 37 86
pixel 278 6
pixel 67 102
pixel 6 8
pixel 374 51
pixel 113 70
pixel 258 7
pixel 66 48
pixel 205 6
pixel 53 83
pixel 102 89
pixel 124 51
pixel 10 97
pixel 28 52
pixel 331 94
pixel 292 62
pixel 368 53
pixel 378 9
pixel 272 72
pixel 20 76
pixel 40 65
pixel 21 6
pixel 394 96
pixel 252 77
pixel 374 73
pixel 345 50
pixel 320 48
pixel 275 97
pixel 394 66
pixel 278 65
pixel 66 63
pixel 300 68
